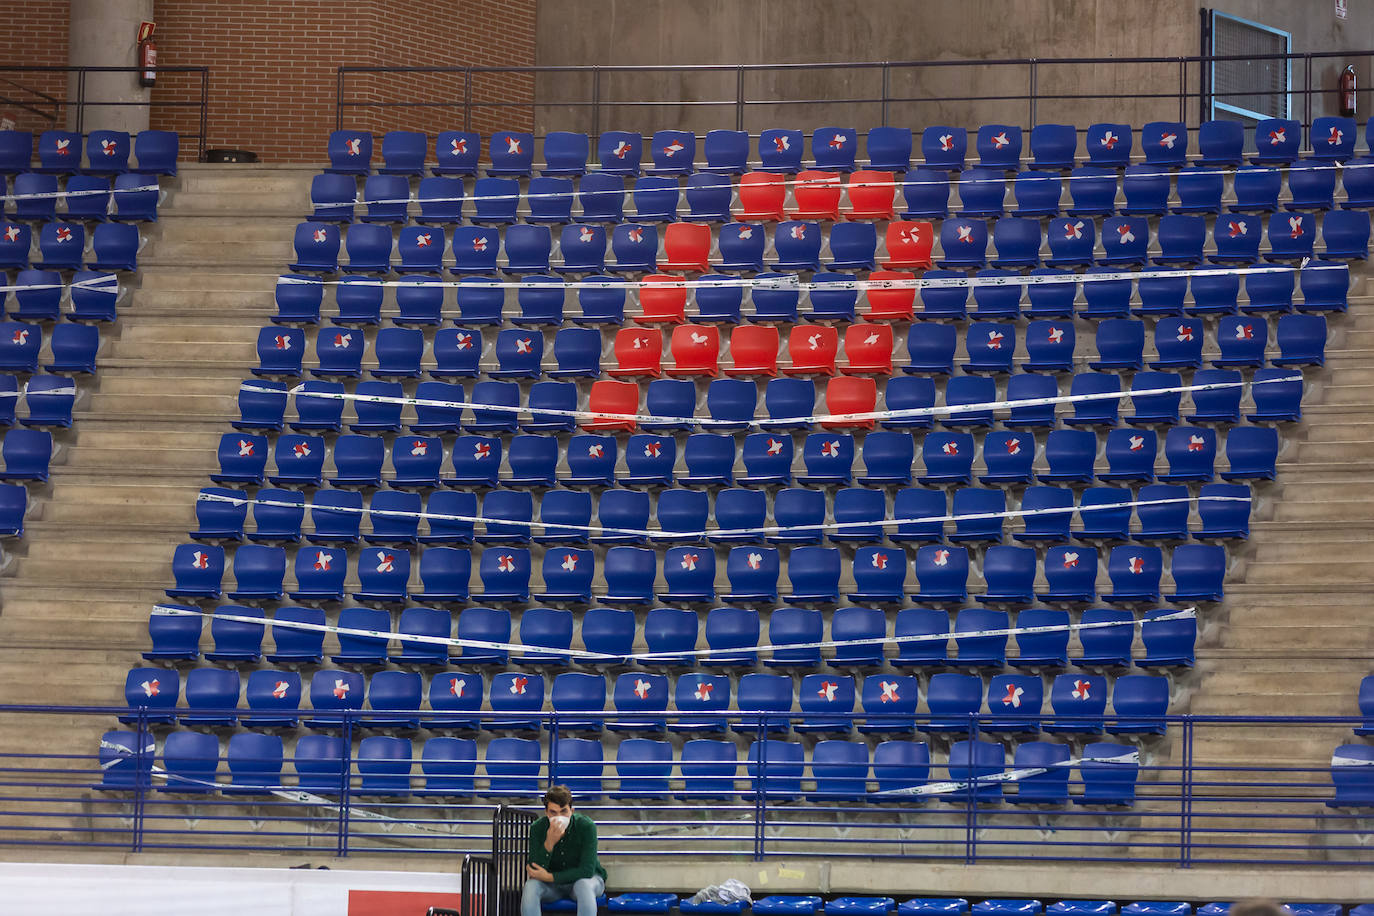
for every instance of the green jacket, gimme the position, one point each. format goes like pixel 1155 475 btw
pixel 574 855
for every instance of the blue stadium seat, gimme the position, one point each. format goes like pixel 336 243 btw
pixel 982 192
pixel 1345 234
pixel 1349 769
pixel 1139 702
pixel 1047 783
pixel 640 695
pixel 1049 346
pixel 780 150
pixel 1311 185
pixel 1120 344
pixel 1079 700
pixel 1199 190
pixel 1180 240
pixel 1109 144
pixel 963 243
pixel 923 635
pixel 1044 649
pixel 440 200
pixel 298 299
pixel 1017 240
pixel 926 193
pixel 1277 141
pixel 1050 297
pixel 1093 191
pixel 1047 514
pixel 151 693
pixel 1010 576
pixel 1292 236
pixel 319 764
pixel 999 147
pixel 16 151
pixel 368 247
pixel 1070 574
pixel 175 637
pixel 495 201
pixel 209 693
pixel 550 200
pixel 1191 453
pixel 1070 454
pixel 888 458
pixel 1220 142
pixel 565 153
pixel 293 644
pixel 386 196
pixel 952 698
pixel 941 572
pixel 889 148
pixel 1241 341
pixel 1007 457
pixel 190 760
pixel 1104 512
pixel 61 245
pixel 1015 700
pixel 619 152
pixel 944 147
pixel 15 241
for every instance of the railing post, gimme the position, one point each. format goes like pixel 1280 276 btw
pixel 467 99
pixel 1307 93
pixel 141 782
pixel 553 749
pixel 887 86
pixel 338 98
pixel 739 98
pixel 204 112
pixel 81 101
pixel 761 791
pixel 1183 93
pixel 1185 835
pixel 971 798
pixel 1034 81
pixel 346 766
pixel 596 102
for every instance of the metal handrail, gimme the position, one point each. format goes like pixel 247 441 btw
pixel 80 102
pixel 1037 71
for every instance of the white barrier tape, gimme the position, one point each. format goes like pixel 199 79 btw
pixel 24 392
pixel 94 192
pixel 756 423
pixel 104 283
pixel 1339 761
pixel 790 282
pixel 167 610
pixel 203 496
pixel 951 787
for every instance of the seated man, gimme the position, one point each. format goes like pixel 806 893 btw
pixel 562 859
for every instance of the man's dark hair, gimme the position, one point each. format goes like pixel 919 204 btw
pixel 1258 908
pixel 560 796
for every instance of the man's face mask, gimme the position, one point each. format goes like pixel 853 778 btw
pixel 560 821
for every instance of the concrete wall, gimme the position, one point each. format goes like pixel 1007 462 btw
pixel 643 32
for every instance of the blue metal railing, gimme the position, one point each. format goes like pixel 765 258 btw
pixel 1191 806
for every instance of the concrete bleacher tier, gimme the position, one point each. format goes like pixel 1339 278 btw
pixel 204 343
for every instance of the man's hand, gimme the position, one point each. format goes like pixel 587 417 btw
pixel 539 873
pixel 556 831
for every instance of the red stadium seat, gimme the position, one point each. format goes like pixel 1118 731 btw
pixel 696 350
pixel 868 349
pixel 812 349
pixel 754 350
pixel 891 304
pixel 850 395
pixel 686 246
pixel 662 300
pixel 871 195
pixel 638 352
pixel 761 197
pixel 610 397
pixel 817 195
pixel 909 243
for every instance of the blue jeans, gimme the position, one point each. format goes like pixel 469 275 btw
pixel 584 891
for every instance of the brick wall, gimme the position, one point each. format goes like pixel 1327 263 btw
pixel 272 83
pixel 39 40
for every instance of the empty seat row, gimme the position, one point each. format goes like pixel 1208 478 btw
pixel 62 246
pixel 107 151
pixel 1145 190
pixel 997 293
pixel 887 703
pixel 85 198
pixel 681 516
pixel 38 296
pixel 1009 457
pixel 583 247
pixel 708 768
pixel 673 152
pixel 920 637
pixel 630 574
pixel 731 404
pixel 798 246
pixel 700 350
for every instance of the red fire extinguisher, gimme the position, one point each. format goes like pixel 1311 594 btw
pixel 1348 92
pixel 147 55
